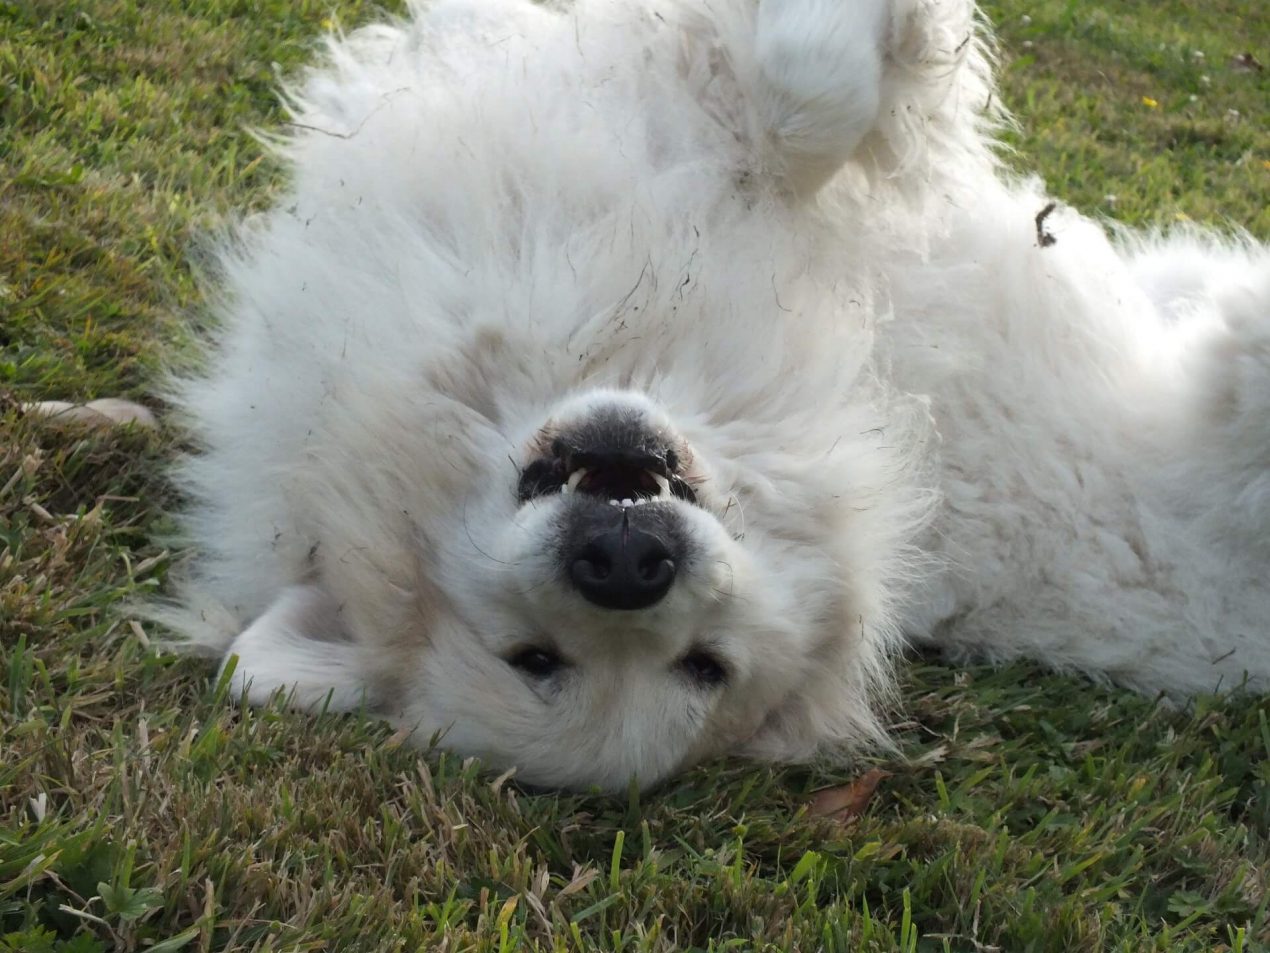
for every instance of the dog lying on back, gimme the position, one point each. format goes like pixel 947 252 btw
pixel 620 386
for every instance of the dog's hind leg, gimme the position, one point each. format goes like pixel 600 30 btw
pixel 1224 340
pixel 297 646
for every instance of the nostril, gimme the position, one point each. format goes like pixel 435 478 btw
pixel 591 566
pixel 656 566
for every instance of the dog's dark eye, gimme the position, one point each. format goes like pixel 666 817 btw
pixel 703 668
pixel 536 662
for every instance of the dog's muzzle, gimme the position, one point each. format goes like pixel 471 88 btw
pixel 621 544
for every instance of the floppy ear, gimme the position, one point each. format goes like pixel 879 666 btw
pixel 388 604
pixel 349 637
pixel 393 465
pixel 835 713
pixel 489 366
pixel 847 685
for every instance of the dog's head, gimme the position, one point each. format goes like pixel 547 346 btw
pixel 620 616
pixel 621 517
pixel 632 592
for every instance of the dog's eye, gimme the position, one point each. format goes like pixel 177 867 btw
pixel 536 662
pixel 703 668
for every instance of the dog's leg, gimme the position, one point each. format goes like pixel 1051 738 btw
pixel 1226 362
pixel 297 646
pixel 820 63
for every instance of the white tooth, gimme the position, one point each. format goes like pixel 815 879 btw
pixel 627 502
pixel 663 484
pixel 614 503
pixel 575 478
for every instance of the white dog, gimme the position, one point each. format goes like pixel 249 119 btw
pixel 618 386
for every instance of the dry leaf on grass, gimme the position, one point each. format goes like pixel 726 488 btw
pixel 846 802
pixel 1246 63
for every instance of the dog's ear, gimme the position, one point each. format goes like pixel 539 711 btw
pixel 847 685
pixel 488 369
pixel 834 715
pixel 380 489
pixel 388 602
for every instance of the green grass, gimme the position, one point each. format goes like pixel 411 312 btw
pixel 138 810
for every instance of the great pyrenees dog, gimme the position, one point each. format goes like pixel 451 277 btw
pixel 624 383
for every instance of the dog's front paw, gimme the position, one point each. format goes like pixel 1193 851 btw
pixel 297 646
pixel 821 64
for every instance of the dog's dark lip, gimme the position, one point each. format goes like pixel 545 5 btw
pixel 573 458
pixel 633 462
pixel 539 478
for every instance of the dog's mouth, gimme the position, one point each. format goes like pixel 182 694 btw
pixel 621 477
pixel 617 484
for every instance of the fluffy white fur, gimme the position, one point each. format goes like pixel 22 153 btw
pixel 775 237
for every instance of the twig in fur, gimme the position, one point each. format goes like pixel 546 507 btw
pixel 1044 237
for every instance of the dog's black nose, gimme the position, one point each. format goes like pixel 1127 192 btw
pixel 623 568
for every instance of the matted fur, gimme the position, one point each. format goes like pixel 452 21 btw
pixel 774 236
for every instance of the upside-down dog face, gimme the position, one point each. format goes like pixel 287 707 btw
pixel 418 487
pixel 613 614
